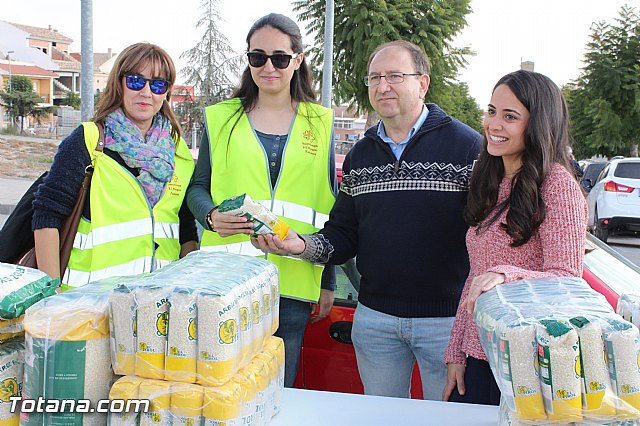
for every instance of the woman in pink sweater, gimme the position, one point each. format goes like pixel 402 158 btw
pixel 526 212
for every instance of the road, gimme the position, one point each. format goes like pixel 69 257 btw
pixel 628 247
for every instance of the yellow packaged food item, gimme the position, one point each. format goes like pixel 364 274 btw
pixel 186 404
pixel 158 393
pixel 122 323
pixel 125 388
pixel 182 339
pixel 152 319
pixel 223 404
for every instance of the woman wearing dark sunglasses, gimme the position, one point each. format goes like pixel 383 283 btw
pixel 273 142
pixel 135 219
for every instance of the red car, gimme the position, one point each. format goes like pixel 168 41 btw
pixel 328 360
pixel 339 161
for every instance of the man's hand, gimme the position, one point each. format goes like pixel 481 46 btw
pixel 323 307
pixel 480 284
pixel 269 243
pixel 455 377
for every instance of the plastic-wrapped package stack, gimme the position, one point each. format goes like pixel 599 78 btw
pixel 67 352
pixel 195 326
pixel 197 320
pixel 559 353
pixel 251 397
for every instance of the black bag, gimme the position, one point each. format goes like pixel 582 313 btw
pixel 16 237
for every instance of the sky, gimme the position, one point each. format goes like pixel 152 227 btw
pixel 551 33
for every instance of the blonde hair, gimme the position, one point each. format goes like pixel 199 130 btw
pixel 131 60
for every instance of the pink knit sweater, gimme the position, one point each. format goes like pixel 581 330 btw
pixel 556 248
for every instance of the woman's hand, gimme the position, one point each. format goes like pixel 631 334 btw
pixel 323 307
pixel 226 225
pixel 455 377
pixel 480 284
pixel 270 243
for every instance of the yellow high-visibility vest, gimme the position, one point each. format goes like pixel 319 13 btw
pixel 302 196
pixel 125 236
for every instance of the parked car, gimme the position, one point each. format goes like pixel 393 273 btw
pixel 339 161
pixel 614 200
pixel 328 359
pixel 590 172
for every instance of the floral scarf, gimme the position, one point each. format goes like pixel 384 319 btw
pixel 154 157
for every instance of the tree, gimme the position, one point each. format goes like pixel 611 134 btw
pixel 213 64
pixel 605 105
pixel 71 99
pixel 459 104
pixel 21 100
pixel 361 25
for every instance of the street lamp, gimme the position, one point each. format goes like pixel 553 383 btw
pixel 10 85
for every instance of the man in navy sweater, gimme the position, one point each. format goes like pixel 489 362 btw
pixel 400 211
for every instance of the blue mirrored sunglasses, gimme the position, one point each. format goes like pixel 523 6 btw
pixel 137 83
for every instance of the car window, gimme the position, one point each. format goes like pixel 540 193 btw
pixel 627 170
pixel 604 172
pixel 592 171
pixel 347 283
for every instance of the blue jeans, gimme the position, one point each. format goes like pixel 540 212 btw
pixel 387 348
pixel 294 316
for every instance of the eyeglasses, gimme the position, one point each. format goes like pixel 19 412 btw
pixel 137 83
pixel 279 60
pixel 392 78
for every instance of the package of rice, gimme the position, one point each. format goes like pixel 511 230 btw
pixel 275 346
pixel 182 340
pixel 622 347
pixel 559 363
pixel 10 329
pixel 122 325
pixel 21 287
pixel 186 404
pixel 152 318
pixel 158 392
pixel 597 395
pixel 219 351
pixel 223 405
pixel 518 370
pixel 246 378
pixel 126 388
pixel 67 353
pixel 264 221
pixel 264 401
pixel 11 375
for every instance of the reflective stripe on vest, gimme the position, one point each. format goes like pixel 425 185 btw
pixel 302 197
pixel 125 236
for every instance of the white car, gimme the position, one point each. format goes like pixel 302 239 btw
pixel 614 200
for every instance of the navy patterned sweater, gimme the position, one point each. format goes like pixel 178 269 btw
pixel 403 219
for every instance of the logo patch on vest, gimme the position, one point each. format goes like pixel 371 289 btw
pixel 174 187
pixel 309 144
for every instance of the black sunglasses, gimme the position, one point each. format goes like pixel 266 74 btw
pixel 279 60
pixel 136 82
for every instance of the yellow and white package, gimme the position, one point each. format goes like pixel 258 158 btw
pixel 264 221
pixel 152 320
pixel 186 404
pixel 559 363
pixel 126 388
pixel 622 346
pixel 158 393
pixel 594 373
pixel 564 323
pixel 182 339
pixel 122 327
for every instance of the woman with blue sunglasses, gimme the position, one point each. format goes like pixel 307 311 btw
pixel 135 219
pixel 275 143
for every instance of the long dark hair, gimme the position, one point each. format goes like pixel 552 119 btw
pixel 131 60
pixel 545 143
pixel 301 86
